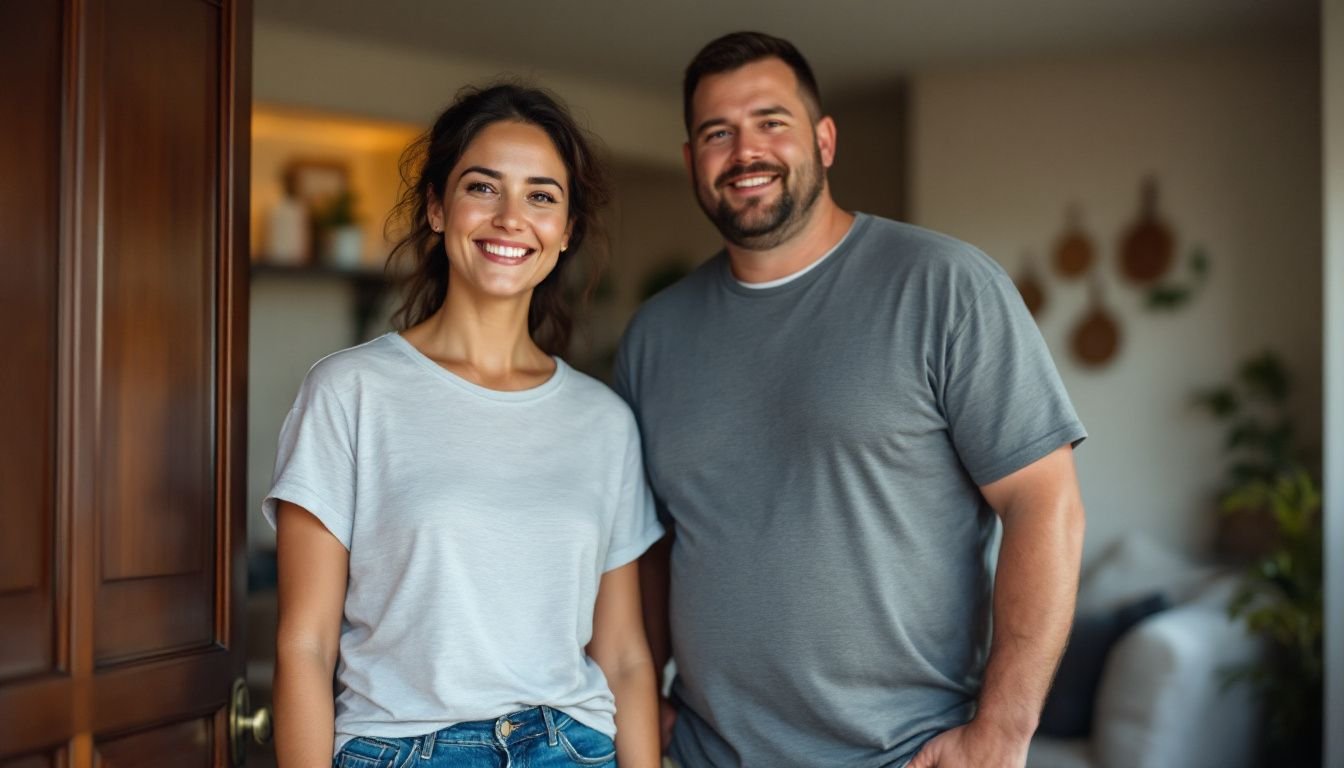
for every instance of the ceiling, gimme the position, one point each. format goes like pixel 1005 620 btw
pixel 851 43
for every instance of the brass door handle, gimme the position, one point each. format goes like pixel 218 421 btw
pixel 243 722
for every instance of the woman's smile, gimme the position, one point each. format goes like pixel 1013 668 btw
pixel 504 252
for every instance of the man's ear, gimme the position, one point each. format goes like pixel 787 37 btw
pixel 825 130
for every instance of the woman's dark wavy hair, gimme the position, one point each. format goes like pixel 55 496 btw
pixel 425 165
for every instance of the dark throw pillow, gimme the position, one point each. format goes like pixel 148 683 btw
pixel 1068 707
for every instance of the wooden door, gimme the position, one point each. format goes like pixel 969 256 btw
pixel 123 184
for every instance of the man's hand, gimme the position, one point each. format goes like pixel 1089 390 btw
pixel 667 718
pixel 974 745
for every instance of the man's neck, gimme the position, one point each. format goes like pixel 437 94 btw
pixel 825 227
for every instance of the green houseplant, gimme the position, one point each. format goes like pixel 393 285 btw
pixel 1281 597
pixel 338 230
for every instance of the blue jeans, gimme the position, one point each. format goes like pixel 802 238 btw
pixel 539 737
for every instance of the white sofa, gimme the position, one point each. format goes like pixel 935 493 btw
pixel 1162 701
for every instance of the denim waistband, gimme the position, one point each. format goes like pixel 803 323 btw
pixel 512 728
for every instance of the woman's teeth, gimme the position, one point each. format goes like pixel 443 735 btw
pixel 504 250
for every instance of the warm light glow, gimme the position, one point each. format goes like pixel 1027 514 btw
pixel 270 122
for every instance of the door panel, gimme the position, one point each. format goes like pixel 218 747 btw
pixel 49 760
pixel 132 694
pixel 122 558
pixel 161 80
pixel 183 744
pixel 30 41
pixel 157 494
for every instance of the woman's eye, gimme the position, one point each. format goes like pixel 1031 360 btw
pixel 479 186
pixel 543 197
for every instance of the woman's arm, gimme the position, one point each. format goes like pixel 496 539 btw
pixel 619 648
pixel 314 568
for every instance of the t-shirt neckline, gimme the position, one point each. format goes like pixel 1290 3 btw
pixel 519 395
pixel 845 245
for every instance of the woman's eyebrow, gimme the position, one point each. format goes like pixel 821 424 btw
pixel 492 173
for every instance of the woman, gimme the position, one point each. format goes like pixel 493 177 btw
pixel 458 511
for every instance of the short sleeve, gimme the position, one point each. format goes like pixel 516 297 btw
pixel 635 526
pixel 1002 396
pixel 315 462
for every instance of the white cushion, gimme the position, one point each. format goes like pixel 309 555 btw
pixel 1162 701
pixel 1136 566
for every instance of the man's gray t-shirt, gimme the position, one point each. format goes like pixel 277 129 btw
pixel 819 446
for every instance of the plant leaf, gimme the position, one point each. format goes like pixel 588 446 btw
pixel 1167 296
pixel 1265 376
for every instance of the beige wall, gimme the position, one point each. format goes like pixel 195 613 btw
pixel 870 172
pixel 1233 136
pixel 323 71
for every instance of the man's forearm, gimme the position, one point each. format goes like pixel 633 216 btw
pixel 653 583
pixel 1034 592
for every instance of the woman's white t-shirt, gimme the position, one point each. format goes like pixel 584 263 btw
pixel 479 524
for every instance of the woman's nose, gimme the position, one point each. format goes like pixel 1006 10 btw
pixel 509 214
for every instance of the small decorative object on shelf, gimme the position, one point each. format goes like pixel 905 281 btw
pixel 314 181
pixel 342 239
pixel 287 230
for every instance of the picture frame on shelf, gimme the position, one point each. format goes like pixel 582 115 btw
pixel 315 180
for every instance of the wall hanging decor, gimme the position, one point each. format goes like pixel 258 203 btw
pixel 1030 286
pixel 1074 253
pixel 1096 337
pixel 1147 246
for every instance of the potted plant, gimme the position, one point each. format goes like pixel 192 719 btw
pixel 1281 598
pixel 339 232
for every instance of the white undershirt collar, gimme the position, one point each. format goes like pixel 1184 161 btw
pixel 790 278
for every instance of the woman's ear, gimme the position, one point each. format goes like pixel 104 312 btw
pixel 434 210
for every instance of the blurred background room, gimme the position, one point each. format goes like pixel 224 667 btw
pixel 1149 172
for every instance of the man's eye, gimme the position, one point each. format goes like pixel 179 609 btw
pixel 716 135
pixel 773 124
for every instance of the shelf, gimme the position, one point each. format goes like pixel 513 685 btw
pixel 267 269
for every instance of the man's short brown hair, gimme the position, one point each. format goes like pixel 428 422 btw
pixel 737 49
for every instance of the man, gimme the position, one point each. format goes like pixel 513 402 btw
pixel 835 410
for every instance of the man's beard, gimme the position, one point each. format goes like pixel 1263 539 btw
pixel 760 229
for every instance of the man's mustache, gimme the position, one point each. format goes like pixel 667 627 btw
pixel 749 170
